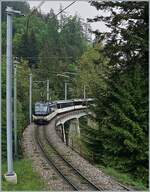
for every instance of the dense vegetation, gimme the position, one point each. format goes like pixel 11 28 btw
pixel 120 88
pixel 114 70
pixel 45 46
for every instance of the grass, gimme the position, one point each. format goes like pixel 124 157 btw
pixel 123 178
pixel 27 178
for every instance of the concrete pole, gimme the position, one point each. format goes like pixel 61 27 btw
pixel 30 97
pixel 47 90
pixel 8 94
pixel 15 109
pixel 84 92
pixel 65 90
pixel 78 127
pixel 64 135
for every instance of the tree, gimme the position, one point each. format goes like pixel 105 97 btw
pixel 60 50
pixel 122 108
pixel 72 41
pixel 128 40
pixel 91 69
pixel 22 106
pixel 28 49
pixel 122 114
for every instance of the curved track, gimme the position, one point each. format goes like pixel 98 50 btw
pixel 125 187
pixel 71 175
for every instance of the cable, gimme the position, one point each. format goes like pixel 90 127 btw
pixel 40 5
pixel 66 7
pixel 38 57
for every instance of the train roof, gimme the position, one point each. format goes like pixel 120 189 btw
pixel 86 99
pixel 41 102
pixel 78 99
pixel 90 99
pixel 63 101
pixel 73 100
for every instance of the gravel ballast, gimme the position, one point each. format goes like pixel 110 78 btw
pixel 53 181
pixel 89 171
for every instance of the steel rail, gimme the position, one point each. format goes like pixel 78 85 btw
pixel 71 166
pixel 49 161
pixel 122 185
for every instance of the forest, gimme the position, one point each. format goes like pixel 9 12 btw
pixel 113 68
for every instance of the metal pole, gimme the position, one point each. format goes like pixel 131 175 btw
pixel 65 90
pixel 84 93
pixel 30 97
pixel 11 175
pixel 0 76
pixel 8 94
pixel 47 90
pixel 15 110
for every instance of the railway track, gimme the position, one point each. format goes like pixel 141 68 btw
pixel 72 176
pixel 125 187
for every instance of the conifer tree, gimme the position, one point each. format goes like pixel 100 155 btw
pixel 122 108
pixel 28 49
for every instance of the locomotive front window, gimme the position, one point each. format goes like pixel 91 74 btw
pixel 40 108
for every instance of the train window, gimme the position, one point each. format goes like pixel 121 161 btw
pixel 78 102
pixel 58 106
pixel 52 107
pixel 40 108
pixel 68 104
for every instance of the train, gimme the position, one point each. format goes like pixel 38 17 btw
pixel 46 111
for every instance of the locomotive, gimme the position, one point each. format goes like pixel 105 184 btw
pixel 46 111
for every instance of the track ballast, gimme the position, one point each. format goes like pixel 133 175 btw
pixel 70 174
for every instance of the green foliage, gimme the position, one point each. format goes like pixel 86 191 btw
pixel 21 122
pixel 124 178
pixel 41 45
pixel 114 72
pixel 119 85
pixel 22 96
pixel 124 122
pixel 28 49
pixel 127 43
pixel 72 40
pixel 63 43
pixel 91 68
